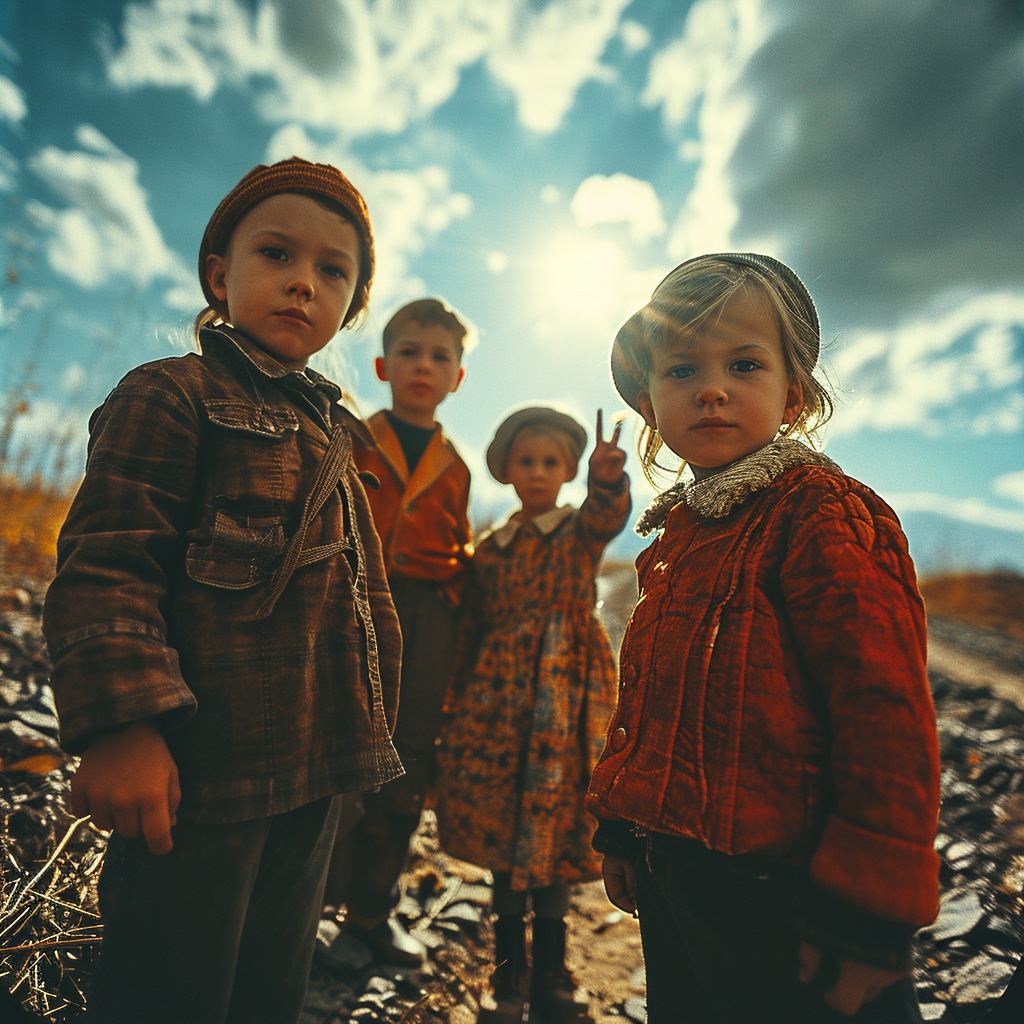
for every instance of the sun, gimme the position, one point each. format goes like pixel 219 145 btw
pixel 583 277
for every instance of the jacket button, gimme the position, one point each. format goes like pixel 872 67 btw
pixel 400 559
pixel 618 739
pixel 629 675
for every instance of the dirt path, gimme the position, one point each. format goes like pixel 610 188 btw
pixel 975 670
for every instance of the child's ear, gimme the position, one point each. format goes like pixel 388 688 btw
pixel 381 369
pixel 643 400
pixel 794 402
pixel 216 271
pixel 458 380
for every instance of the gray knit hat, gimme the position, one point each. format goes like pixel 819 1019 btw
pixel 794 294
pixel 528 416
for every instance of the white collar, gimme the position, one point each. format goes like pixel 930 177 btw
pixel 546 522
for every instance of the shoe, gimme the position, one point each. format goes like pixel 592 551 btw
pixel 552 985
pixel 390 942
pixel 509 972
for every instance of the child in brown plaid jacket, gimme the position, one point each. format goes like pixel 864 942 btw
pixel 226 650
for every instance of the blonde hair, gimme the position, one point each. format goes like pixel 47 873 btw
pixel 687 300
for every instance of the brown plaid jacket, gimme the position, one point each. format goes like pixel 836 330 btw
pixel 168 601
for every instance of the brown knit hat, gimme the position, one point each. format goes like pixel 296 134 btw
pixel 788 284
pixel 291 175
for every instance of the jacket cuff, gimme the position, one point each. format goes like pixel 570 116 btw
pixel 879 874
pixel 835 926
pixel 616 488
pixel 106 682
pixel 617 838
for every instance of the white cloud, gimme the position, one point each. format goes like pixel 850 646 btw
pixel 107 230
pixel 13 108
pixel 916 375
pixel 635 36
pixel 539 67
pixel 875 145
pixel 408 208
pixel 1010 485
pixel 618 199
pixel 8 171
pixel 697 75
pixel 967 510
pixel 360 68
pixel 73 377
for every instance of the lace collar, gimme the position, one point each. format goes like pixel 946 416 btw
pixel 717 495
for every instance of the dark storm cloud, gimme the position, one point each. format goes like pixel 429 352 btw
pixel 887 148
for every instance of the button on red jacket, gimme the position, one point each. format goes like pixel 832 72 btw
pixel 773 693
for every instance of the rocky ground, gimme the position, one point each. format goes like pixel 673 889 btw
pixel 48 931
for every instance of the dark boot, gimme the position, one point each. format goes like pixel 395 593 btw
pixel 509 972
pixel 553 988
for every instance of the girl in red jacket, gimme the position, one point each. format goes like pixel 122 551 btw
pixel 768 792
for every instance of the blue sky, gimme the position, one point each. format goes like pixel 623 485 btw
pixel 541 165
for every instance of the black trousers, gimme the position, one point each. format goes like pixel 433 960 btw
pixel 720 944
pixel 218 931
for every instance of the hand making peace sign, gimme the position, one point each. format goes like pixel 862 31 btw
pixel 608 459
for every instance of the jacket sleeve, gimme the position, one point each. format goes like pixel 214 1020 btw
pixel 120 548
pixel 603 514
pixel 858 620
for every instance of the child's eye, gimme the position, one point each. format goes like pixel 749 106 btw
pixel 332 271
pixel 680 372
pixel 274 252
pixel 442 357
pixel 745 365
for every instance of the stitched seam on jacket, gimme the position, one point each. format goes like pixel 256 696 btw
pixel 115 627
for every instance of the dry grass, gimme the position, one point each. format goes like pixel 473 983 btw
pixel 989 600
pixel 31 515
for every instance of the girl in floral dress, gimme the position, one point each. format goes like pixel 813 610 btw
pixel 532 694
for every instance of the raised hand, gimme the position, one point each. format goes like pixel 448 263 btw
pixel 608 459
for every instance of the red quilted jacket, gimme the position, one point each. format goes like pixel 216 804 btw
pixel 773 694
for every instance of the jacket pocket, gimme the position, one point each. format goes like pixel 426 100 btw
pixel 239 555
pixel 268 421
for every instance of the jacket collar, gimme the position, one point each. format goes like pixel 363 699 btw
pixel 717 495
pixel 436 458
pixel 546 522
pixel 236 344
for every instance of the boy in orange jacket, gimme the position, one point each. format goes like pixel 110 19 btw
pixel 420 511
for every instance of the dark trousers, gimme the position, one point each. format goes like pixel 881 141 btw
pixel 218 931
pixel 370 852
pixel 720 945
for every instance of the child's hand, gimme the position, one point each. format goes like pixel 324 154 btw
pixel 128 781
pixel 608 459
pixel 620 882
pixel 858 983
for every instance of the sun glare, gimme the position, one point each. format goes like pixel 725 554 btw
pixel 583 277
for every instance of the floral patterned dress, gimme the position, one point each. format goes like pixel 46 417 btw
pixel 534 687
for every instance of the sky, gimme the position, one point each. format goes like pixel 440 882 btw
pixel 541 166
